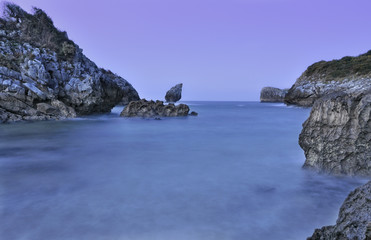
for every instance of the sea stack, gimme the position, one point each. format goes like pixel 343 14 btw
pixel 174 94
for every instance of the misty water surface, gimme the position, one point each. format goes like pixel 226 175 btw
pixel 233 172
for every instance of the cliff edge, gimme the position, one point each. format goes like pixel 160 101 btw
pixel 348 74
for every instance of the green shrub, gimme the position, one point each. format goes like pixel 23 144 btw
pixel 37 29
pixel 68 49
pixel 339 69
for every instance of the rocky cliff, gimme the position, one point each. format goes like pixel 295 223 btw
pixel 349 74
pixel 272 94
pixel 44 75
pixel 337 135
pixel 354 217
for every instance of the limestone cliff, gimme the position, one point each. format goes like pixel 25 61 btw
pixel 44 75
pixel 349 74
pixel 337 135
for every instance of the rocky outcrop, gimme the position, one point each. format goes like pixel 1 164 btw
pixel 54 80
pixel 349 74
pixel 354 217
pixel 336 137
pixel 306 91
pixel 272 94
pixel 174 94
pixel 150 109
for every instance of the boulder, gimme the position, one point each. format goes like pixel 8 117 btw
pixel 272 94
pixel 152 109
pixel 174 94
pixel 337 135
pixel 354 218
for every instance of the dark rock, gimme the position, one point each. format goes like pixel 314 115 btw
pixel 271 94
pixel 149 109
pixel 44 83
pixel 354 218
pixel 193 114
pixel 174 94
pixel 337 135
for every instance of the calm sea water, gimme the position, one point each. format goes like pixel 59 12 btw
pixel 233 172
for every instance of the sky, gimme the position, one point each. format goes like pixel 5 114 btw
pixel 221 50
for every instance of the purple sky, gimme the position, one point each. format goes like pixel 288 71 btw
pixel 219 49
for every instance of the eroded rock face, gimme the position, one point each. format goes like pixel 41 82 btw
pixel 149 109
pixel 354 217
pixel 38 84
pixel 272 94
pixel 337 135
pixel 307 89
pixel 174 94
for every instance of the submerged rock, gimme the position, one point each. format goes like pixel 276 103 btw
pixel 337 135
pixel 174 94
pixel 150 109
pixel 41 79
pixel 193 113
pixel 272 94
pixel 354 218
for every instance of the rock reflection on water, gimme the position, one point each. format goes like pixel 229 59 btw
pixel 233 172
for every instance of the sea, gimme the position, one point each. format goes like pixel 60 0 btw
pixel 234 172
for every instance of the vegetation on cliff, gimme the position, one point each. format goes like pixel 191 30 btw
pixel 36 29
pixel 339 69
